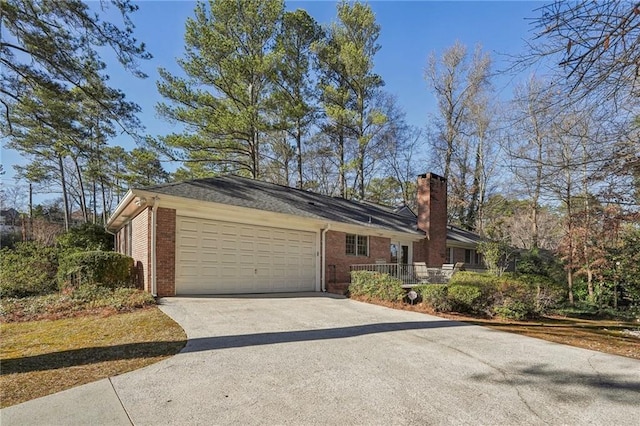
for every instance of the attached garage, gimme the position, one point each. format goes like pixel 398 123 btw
pixel 217 257
pixel 233 235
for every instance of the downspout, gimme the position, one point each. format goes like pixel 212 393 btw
pixel 154 215
pixel 323 280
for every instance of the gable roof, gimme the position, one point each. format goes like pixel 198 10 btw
pixel 254 194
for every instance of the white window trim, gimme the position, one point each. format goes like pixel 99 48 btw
pixel 358 237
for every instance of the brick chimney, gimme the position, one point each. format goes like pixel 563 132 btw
pixel 432 217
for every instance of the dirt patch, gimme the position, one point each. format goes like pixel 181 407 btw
pixel 612 337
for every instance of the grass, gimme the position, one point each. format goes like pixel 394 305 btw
pixel 613 337
pixel 45 356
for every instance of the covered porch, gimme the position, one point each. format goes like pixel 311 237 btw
pixel 411 274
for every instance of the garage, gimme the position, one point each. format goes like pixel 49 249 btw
pixel 217 257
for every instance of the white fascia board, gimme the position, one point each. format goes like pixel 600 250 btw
pixel 458 244
pixel 125 211
pixel 229 213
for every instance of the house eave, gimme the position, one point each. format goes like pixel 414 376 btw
pixel 126 210
pixel 218 211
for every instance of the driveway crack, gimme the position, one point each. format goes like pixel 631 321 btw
pixel 120 401
pixel 505 374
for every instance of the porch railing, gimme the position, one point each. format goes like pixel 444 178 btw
pixel 410 274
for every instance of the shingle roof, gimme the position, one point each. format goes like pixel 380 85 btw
pixel 244 192
pixel 462 236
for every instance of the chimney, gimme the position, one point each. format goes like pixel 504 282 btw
pixel 432 217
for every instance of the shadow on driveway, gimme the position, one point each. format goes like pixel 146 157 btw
pixel 93 355
pixel 243 340
pixel 568 386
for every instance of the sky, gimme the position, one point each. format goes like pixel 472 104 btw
pixel 410 31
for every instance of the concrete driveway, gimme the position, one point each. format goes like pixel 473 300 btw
pixel 311 359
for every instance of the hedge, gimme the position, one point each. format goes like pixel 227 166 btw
pixel 376 285
pixel 102 268
pixel 510 295
pixel 29 269
pixel 435 296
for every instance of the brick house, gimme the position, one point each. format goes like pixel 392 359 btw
pixel 236 235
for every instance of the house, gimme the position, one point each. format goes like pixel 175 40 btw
pixel 10 221
pixel 462 247
pixel 236 235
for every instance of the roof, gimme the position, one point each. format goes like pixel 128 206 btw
pixel 462 236
pixel 254 194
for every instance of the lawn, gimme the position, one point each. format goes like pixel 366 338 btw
pixel 42 357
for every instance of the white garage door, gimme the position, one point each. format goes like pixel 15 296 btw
pixel 214 257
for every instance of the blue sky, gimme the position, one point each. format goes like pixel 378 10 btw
pixel 410 30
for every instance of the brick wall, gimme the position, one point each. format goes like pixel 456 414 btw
pixel 432 219
pixel 458 255
pixel 166 252
pixel 338 260
pixel 140 243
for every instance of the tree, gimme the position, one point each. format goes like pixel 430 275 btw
pixel 350 86
pixel 533 111
pixel 623 267
pixel 64 136
pixel 496 255
pixel 45 46
pixel 403 161
pixel 596 45
pixel 223 100
pixel 143 168
pixel 295 94
pixel 459 84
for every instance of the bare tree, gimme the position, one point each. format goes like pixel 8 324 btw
pixel 403 160
pixel 532 114
pixel 595 43
pixel 456 82
pixel 460 84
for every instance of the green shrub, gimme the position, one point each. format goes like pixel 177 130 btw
pixel 375 285
pixel 10 239
pixel 86 237
pixel 513 309
pixel 541 262
pixel 27 270
pixel 474 278
pixel 103 268
pixel 465 298
pixel 434 296
pixel 83 298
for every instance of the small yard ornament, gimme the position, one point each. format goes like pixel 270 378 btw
pixel 412 295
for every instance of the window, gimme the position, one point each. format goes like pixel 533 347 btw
pixel 394 253
pixel 357 245
pixel 472 257
pixel 449 258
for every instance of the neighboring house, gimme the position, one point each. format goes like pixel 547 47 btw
pixel 236 235
pixel 10 221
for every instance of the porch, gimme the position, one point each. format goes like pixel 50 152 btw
pixel 411 274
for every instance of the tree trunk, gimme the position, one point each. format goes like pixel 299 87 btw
pixel 570 285
pixel 474 204
pixel 299 153
pixel 65 197
pixel 83 201
pixel 342 172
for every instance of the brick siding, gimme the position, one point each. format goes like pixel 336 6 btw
pixel 140 243
pixel 166 252
pixel 338 262
pixel 432 219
